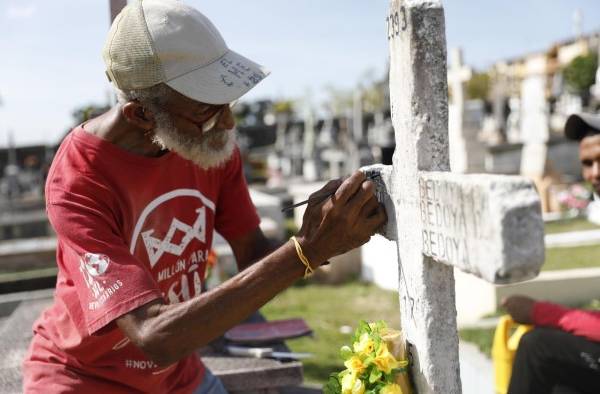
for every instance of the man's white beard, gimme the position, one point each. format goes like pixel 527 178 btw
pixel 207 150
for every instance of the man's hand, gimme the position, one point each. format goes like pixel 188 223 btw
pixel 520 308
pixel 342 222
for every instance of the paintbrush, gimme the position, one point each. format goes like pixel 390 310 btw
pixel 321 197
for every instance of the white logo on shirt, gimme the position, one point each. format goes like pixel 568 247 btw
pixel 157 247
pixel 95 263
pixel 92 266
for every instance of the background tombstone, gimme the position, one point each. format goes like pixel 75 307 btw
pixel 513 122
pixel 467 153
pixel 535 127
pixel 458 75
pixel 497 220
pixel 309 165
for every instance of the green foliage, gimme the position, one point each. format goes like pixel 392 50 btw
pixel 478 86
pixel 333 385
pixel 284 107
pixel 87 112
pixel 580 74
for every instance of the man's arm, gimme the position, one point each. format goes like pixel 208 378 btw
pixel 579 322
pixel 251 247
pixel 167 333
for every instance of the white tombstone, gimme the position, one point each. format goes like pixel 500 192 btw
pixel 513 122
pixel 489 226
pixel 467 153
pixel 309 165
pixel 535 123
pixel 595 89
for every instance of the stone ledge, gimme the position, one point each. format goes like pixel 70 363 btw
pixel 248 374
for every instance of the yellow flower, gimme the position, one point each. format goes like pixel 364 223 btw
pixel 355 365
pixel 365 344
pixel 384 360
pixel 391 388
pixel 352 385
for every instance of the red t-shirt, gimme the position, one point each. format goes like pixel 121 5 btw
pixel 130 229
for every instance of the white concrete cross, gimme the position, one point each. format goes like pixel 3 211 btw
pixel 486 225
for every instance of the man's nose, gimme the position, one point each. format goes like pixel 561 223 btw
pixel 226 119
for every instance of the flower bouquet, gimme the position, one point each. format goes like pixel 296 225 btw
pixel 376 363
pixel 576 197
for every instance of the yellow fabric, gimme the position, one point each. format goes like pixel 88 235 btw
pixel 504 349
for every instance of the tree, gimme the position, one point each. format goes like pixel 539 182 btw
pixel 478 86
pixel 87 112
pixel 580 74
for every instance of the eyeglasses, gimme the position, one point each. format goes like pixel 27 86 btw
pixel 210 123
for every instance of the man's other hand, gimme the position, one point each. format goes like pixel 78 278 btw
pixel 344 221
pixel 520 308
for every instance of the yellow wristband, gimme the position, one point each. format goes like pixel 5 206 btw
pixel 308 271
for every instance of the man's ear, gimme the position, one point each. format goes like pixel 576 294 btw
pixel 138 116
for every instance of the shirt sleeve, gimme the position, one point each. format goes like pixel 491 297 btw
pixel 236 214
pixel 95 260
pixel 579 322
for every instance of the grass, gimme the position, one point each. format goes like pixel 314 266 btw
pixel 481 337
pixel 564 226
pixel 326 309
pixel 569 258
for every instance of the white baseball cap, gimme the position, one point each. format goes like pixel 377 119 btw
pixel 167 41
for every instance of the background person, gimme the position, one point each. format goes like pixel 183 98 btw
pixel 562 353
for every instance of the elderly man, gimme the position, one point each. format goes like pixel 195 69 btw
pixel 562 354
pixel 134 196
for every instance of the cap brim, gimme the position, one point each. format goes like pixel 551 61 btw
pixel 221 82
pixel 580 125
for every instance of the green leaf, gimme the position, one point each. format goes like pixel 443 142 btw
pixel 346 352
pixel 333 385
pixel 375 375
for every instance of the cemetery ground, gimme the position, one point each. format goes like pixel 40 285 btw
pixel 328 309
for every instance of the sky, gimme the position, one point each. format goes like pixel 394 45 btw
pixel 51 50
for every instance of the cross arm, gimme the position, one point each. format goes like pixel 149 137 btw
pixel 487 225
